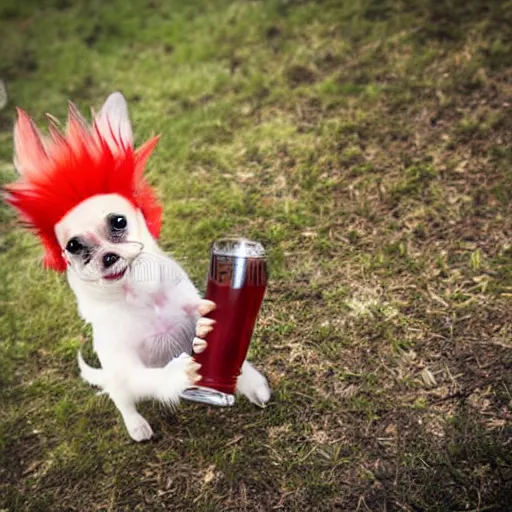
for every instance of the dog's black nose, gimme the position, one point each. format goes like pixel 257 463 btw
pixel 109 259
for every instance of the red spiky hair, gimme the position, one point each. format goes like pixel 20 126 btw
pixel 61 171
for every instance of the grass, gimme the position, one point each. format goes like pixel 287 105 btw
pixel 368 145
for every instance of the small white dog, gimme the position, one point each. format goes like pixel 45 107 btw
pixel 84 195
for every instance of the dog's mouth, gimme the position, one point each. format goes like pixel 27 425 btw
pixel 106 263
pixel 115 276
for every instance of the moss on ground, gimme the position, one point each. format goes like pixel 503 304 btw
pixel 368 146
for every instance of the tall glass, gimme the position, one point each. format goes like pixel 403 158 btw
pixel 237 279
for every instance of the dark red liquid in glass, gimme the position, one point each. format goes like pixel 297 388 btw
pixel 238 302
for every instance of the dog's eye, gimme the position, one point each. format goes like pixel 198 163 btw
pixel 117 223
pixel 74 246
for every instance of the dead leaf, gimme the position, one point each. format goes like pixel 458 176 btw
pixel 428 378
pixel 210 475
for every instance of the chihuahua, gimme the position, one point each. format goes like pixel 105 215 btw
pixel 83 193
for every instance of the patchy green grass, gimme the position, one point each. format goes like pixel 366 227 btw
pixel 368 146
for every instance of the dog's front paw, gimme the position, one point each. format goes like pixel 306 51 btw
pixel 253 385
pixel 203 327
pixel 179 374
pixel 206 306
pixel 138 428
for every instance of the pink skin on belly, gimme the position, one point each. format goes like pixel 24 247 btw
pixel 159 299
pixel 162 325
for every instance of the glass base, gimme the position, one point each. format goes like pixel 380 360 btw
pixel 208 396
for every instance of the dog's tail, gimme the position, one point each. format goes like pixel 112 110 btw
pixel 93 376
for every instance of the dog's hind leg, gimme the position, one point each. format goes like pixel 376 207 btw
pixel 137 426
pixel 128 381
pixel 253 385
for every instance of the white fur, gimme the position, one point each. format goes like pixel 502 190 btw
pixel 113 121
pixel 144 323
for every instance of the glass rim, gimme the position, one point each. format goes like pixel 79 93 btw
pixel 238 246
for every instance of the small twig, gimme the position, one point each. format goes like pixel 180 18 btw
pixel 497 343
pixel 481 509
pixel 506 389
pixel 430 467
pixel 362 500
pixel 304 395
pixel 233 441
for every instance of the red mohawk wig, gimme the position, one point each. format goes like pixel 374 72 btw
pixel 58 172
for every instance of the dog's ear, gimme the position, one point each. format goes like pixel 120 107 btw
pixel 113 122
pixel 29 149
